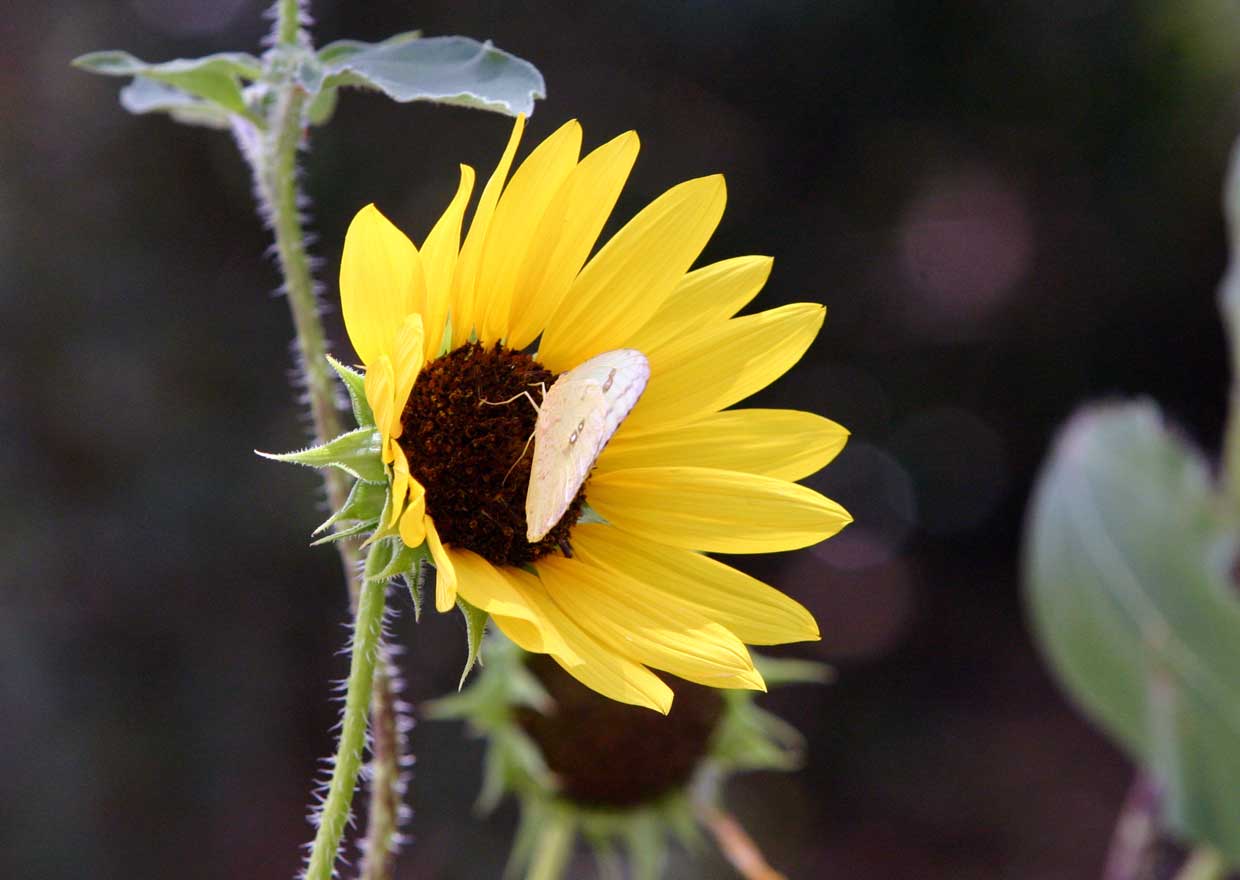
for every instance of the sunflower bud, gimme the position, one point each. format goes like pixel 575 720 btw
pixel 663 775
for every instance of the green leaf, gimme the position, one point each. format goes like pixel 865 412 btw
pixel 342 49
pixel 448 70
pixel 150 96
pixel 215 78
pixel 1128 565
pixel 355 384
pixel 357 453
pixel 475 627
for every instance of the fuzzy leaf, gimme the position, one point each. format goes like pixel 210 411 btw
pixel 151 96
pixel 475 627
pixel 355 384
pixel 448 70
pixel 1128 567
pixel 356 453
pixel 215 78
pixel 342 49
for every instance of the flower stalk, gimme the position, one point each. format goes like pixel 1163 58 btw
pixel 275 173
pixel 367 628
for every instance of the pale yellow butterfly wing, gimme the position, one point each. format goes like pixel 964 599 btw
pixel 578 415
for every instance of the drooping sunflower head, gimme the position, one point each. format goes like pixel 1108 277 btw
pixel 620 584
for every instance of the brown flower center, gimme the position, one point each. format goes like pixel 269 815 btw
pixel 468 448
pixel 609 754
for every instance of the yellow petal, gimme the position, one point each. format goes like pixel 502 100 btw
pixel 717 511
pixel 445 572
pixel 439 256
pixel 463 310
pixel 784 443
pixel 412 525
pixel 517 216
pixel 489 588
pixel 597 665
pixel 520 607
pixel 380 282
pixel 380 386
pixel 406 364
pixel 671 636
pixel 566 235
pixel 756 613
pixel 704 296
pixel 723 363
pixel 626 282
pixel 400 484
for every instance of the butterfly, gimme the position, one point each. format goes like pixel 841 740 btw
pixel 579 414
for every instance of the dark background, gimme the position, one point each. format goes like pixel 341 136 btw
pixel 1008 207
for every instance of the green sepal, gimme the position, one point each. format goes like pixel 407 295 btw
pixel 475 628
pixel 776 671
pixel 589 515
pixel 355 384
pixel 214 78
pixel 378 558
pixel 360 528
pixel 364 504
pixel 447 70
pixel 356 452
pixel 404 560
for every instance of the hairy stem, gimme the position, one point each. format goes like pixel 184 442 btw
pixel 275 174
pixel 288 22
pixel 367 627
pixel 379 852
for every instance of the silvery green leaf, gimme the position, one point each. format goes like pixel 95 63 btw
pixel 342 49
pixel 448 70
pixel 357 453
pixel 215 78
pixel 1129 578
pixel 151 96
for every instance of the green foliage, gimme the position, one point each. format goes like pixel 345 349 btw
pixel 1129 574
pixel 448 70
pixel 210 91
pixel 215 78
pixel 355 452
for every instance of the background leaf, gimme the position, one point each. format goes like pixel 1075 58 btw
pixel 1129 561
pixel 150 96
pixel 216 78
pixel 449 70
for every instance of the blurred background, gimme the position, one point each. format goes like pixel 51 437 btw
pixel 1008 207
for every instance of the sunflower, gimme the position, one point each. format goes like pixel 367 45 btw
pixel 455 333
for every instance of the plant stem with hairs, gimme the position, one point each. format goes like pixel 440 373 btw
pixel 274 163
